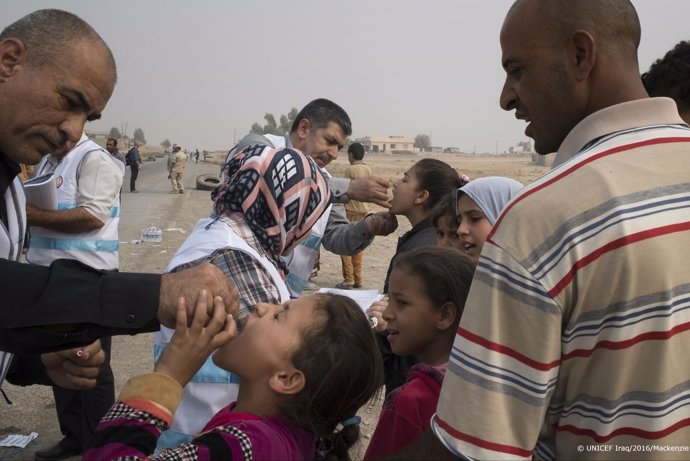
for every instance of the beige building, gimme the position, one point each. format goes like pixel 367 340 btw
pixel 386 143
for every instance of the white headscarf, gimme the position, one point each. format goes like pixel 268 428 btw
pixel 491 194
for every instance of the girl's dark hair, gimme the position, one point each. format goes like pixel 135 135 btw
pixel 447 206
pixel 436 177
pixel 343 368
pixel 446 273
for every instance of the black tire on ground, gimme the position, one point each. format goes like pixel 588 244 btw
pixel 207 181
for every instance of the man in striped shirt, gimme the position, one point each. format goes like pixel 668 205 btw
pixel 575 336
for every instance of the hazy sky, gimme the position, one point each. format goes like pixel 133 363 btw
pixel 200 73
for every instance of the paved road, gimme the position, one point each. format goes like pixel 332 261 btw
pixel 155 199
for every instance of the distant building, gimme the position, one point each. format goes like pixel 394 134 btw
pixel 386 144
pixel 521 148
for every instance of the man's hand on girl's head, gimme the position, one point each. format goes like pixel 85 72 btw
pixel 186 284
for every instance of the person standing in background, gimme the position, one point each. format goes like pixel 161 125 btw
pixel 111 146
pixel 354 211
pixel 176 164
pixel 134 162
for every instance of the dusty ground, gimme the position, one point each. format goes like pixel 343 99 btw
pixel 33 408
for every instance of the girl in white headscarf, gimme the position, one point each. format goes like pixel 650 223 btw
pixel 479 204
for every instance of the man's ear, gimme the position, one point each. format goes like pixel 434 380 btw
pixel 422 197
pixel 448 316
pixel 12 57
pixel 584 50
pixel 303 128
pixel 287 382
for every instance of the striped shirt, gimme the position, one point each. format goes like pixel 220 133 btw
pixel 575 339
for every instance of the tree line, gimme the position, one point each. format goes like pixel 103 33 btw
pixel 138 135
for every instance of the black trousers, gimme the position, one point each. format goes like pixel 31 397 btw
pixel 79 412
pixel 133 178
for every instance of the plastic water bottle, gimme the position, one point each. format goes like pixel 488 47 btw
pixel 152 234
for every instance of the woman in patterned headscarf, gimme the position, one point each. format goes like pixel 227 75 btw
pixel 280 192
pixel 268 203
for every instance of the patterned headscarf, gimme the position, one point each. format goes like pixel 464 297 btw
pixel 280 192
pixel 491 194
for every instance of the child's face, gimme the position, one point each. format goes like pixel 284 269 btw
pixel 473 228
pixel 447 233
pixel 405 191
pixel 412 318
pixel 269 338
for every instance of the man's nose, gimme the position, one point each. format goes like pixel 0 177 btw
pixel 507 98
pixel 73 128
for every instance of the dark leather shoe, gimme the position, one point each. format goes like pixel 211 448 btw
pixel 59 451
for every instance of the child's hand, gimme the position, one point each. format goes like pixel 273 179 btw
pixel 190 346
pixel 376 310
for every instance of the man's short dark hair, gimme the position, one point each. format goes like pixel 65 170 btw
pixel 113 140
pixel 320 112
pixel 357 151
pixel 47 33
pixel 670 76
